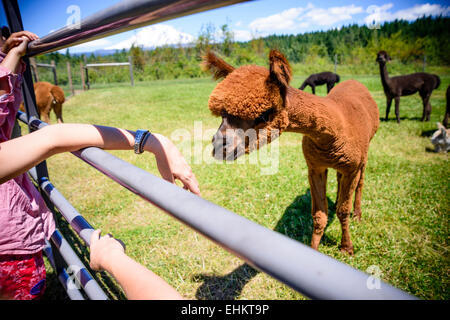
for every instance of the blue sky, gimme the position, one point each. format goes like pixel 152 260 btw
pixel 247 20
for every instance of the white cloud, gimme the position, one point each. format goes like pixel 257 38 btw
pixel 242 35
pixel 304 17
pixel 284 20
pixel 95 44
pixel 155 36
pixel 313 17
pixel 330 16
pixel 383 13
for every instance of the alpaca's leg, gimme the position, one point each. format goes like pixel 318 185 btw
pixel 46 116
pixel 346 192
pixel 319 208
pixel 426 106
pixel 57 108
pixel 428 111
pixel 313 87
pixel 358 195
pixel 44 113
pixel 388 107
pixel 329 86
pixel 397 108
pixel 338 178
pixel 445 121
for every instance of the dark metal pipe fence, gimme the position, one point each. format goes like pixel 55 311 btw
pixel 84 230
pixel 123 16
pixel 73 217
pixel 85 279
pixel 306 270
pixel 67 282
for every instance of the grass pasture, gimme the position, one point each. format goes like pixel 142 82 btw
pixel 404 227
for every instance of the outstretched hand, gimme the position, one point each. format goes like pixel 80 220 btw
pixel 171 163
pixel 19 41
pixel 102 250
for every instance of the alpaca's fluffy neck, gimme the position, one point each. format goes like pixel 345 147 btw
pixel 312 116
pixel 384 76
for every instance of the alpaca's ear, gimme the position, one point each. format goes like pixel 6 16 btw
pixel 218 67
pixel 280 70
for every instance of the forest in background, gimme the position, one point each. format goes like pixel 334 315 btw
pixel 354 47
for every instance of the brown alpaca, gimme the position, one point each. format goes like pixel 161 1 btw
pixel 48 97
pixel 337 129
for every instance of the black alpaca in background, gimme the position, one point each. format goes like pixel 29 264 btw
pixel 447 109
pixel 395 87
pixel 318 79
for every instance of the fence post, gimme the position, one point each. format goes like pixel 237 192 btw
pixel 55 79
pixel 34 69
pixel 88 86
pixel 69 78
pixel 335 62
pixel 83 84
pixel 424 62
pixel 131 70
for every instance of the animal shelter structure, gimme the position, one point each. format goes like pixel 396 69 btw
pixel 308 271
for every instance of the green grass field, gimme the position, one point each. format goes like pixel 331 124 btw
pixel 404 227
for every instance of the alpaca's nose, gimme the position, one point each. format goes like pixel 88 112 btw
pixel 218 139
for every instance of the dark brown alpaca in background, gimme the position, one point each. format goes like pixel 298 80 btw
pixel 395 87
pixel 337 129
pixel 318 79
pixel 447 109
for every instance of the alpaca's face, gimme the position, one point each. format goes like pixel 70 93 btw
pixel 383 57
pixel 251 102
pixel 247 102
pixel 237 136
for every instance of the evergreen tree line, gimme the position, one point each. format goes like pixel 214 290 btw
pixel 353 47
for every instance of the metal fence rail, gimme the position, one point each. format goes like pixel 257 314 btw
pixel 306 270
pixel 83 229
pixel 73 217
pixel 67 282
pixel 123 16
pixel 107 64
pixel 111 64
pixel 85 279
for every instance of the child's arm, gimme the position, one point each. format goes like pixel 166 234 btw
pixel 138 282
pixel 20 154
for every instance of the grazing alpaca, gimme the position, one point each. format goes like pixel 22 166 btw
pixel 48 97
pixel 337 129
pixel 395 87
pixel 447 109
pixel 319 79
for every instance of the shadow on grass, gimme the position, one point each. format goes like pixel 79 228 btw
pixel 296 223
pixel 428 133
pixel 383 119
